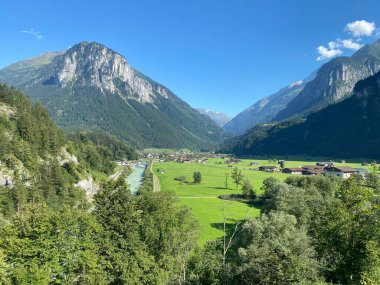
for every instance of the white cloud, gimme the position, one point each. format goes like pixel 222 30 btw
pixel 37 35
pixel 350 44
pixel 361 28
pixel 325 53
pixel 333 45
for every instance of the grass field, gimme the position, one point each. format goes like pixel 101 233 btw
pixel 203 197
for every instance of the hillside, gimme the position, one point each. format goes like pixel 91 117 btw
pixel 334 82
pixel 346 129
pixel 34 152
pixel 91 87
pixel 266 108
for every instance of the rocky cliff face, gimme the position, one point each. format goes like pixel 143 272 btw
pixel 105 69
pixel 334 82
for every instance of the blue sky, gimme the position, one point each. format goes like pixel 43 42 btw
pixel 218 54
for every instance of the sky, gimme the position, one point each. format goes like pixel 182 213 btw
pixel 218 54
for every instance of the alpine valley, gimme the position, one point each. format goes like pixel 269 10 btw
pixel 91 87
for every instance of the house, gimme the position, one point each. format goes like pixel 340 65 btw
pixel 313 171
pixel 323 164
pixel 295 170
pixel 342 171
pixel 268 168
pixel 311 167
pixel 253 163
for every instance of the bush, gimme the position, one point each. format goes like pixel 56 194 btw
pixel 180 178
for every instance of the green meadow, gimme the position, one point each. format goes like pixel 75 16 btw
pixel 203 197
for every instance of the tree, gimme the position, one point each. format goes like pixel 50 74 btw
pixel 274 251
pixel 197 176
pixel 145 239
pixel 45 247
pixel 247 189
pixel 347 235
pixel 226 175
pixel 237 176
pixel 373 180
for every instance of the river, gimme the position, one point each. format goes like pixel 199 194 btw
pixel 135 179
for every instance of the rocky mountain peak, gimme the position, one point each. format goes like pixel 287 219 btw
pixel 95 64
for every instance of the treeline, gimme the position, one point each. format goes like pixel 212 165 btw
pixel 125 239
pixel 313 230
pixel 27 135
pixel 99 151
pixel 27 131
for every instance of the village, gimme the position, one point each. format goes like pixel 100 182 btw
pixel 329 167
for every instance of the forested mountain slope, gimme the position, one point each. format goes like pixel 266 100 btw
pixel 347 129
pixel 91 87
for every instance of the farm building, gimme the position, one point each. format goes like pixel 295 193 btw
pixel 296 170
pixel 268 168
pixel 342 171
pixel 312 171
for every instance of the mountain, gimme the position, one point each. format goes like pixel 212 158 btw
pixel 334 82
pixel 219 118
pixel 346 129
pixel 91 87
pixel 266 108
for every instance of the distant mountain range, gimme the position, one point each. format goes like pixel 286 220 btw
pixel 91 87
pixel 265 109
pixel 332 83
pixel 219 118
pixel 349 129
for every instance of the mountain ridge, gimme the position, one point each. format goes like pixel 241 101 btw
pixel 345 129
pixel 265 109
pixel 90 86
pixel 333 82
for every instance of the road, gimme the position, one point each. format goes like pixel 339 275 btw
pixel 156 182
pixel 116 175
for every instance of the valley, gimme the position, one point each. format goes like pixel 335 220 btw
pixel 190 143
pixel 204 198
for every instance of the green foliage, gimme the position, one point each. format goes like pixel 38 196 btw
pixel 348 234
pixel 181 178
pixel 144 238
pixel 33 132
pixel 313 230
pixel 237 176
pixel 197 177
pixel 43 246
pixel 274 251
pixel 247 189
